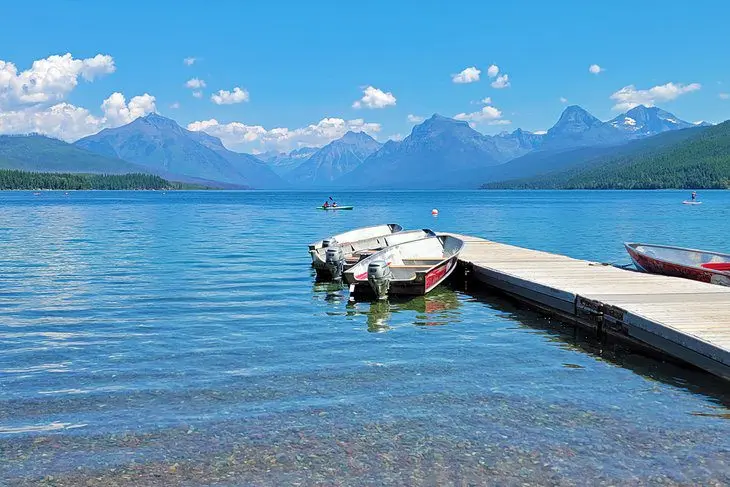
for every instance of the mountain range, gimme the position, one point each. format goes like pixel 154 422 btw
pixel 336 159
pixel 38 153
pixel 697 158
pixel 440 152
pixel 445 153
pixel 166 149
pixel 282 163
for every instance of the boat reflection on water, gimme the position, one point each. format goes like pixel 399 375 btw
pixel 378 316
pixel 333 291
pixel 434 309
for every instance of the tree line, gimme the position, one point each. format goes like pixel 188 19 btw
pixel 11 179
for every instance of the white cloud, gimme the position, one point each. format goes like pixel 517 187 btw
pixel 48 80
pixel 563 99
pixel 374 98
pixel 32 100
pixel 195 84
pixel 486 101
pixel 198 94
pixel 225 97
pixel 595 69
pixel 118 112
pixel 69 122
pixel 540 132
pixel 628 97
pixel 415 118
pixel 96 66
pixel 240 135
pixel 189 61
pixel 396 137
pixel 502 81
pixel 468 75
pixel 63 120
pixel 175 105
pixel 492 70
pixel 487 114
pixel 724 96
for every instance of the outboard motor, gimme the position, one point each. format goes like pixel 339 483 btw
pixel 379 277
pixel 329 242
pixel 335 261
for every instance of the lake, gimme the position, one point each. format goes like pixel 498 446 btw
pixel 179 338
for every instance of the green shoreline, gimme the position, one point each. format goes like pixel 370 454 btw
pixel 12 179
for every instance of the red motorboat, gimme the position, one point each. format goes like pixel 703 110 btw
pixel 699 265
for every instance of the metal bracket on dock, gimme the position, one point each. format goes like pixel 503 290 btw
pixel 613 320
pixel 608 319
pixel 589 309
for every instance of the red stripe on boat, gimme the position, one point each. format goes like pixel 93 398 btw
pixel 717 266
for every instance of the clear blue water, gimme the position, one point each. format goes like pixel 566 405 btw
pixel 178 338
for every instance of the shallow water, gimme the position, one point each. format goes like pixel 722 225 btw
pixel 179 339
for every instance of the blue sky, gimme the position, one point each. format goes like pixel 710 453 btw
pixel 300 62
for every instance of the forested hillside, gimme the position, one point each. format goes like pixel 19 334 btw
pixel 701 161
pixel 12 179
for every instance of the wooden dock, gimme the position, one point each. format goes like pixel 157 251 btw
pixel 684 319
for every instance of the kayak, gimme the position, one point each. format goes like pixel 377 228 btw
pixel 691 202
pixel 335 207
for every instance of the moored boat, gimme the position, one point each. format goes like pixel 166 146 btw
pixel 317 250
pixel 411 268
pixel 337 257
pixel 699 265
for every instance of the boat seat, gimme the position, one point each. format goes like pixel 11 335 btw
pixel 437 259
pixel 412 266
pixel 717 266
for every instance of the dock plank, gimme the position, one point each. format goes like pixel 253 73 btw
pixel 686 319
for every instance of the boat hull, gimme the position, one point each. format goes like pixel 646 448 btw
pixel 414 268
pixel 687 270
pixel 420 286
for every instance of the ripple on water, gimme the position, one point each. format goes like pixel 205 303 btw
pixel 182 338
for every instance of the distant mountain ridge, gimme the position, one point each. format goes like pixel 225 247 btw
pixel 697 157
pixel 542 165
pixel 163 147
pixel 577 128
pixel 644 121
pixel 440 152
pixel 334 160
pixel 446 153
pixel 283 163
pixel 43 154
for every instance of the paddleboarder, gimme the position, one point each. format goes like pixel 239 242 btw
pixel 694 195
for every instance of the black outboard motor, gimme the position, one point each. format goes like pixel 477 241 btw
pixel 379 277
pixel 335 261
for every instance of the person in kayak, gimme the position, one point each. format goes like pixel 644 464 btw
pixel 326 204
